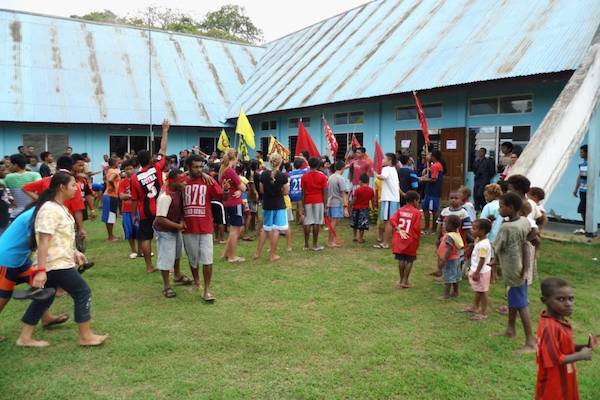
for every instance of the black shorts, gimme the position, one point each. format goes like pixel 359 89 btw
pixel 406 258
pixel 581 209
pixel 218 212
pixel 146 229
pixel 10 277
pixel 234 215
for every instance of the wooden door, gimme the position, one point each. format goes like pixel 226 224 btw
pixel 453 152
pixel 412 139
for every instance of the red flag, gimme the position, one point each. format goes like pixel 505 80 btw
pixel 378 158
pixel 354 144
pixel 305 142
pixel 422 119
pixel 332 143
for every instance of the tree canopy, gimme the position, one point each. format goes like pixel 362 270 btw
pixel 230 22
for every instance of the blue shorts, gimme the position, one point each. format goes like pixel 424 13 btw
pixel 110 206
pixel 275 220
pixel 517 296
pixel 234 215
pixel 335 212
pixel 98 187
pixel 431 203
pixel 387 209
pixel 129 229
pixel 451 271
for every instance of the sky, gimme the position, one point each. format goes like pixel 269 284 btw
pixel 275 18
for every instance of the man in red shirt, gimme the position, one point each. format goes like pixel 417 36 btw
pixel 406 224
pixel 556 350
pixel 360 165
pixel 145 187
pixel 313 185
pixel 197 215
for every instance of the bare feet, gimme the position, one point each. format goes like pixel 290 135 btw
pixel 469 310
pixel 208 297
pixel 527 349
pixel 31 343
pixel 151 270
pixel 479 317
pixel 256 256
pixel 503 310
pixel 405 286
pixel 92 340
pixel 274 258
pixel 193 289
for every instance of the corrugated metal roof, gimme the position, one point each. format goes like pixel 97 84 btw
pixel 395 46
pixel 62 70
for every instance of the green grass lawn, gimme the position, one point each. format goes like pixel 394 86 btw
pixel 312 326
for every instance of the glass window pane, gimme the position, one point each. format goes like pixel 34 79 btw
pixel 293 123
pixel 273 125
pixel 406 113
pixel 516 104
pixel 342 141
pixel 517 135
pixel 264 126
pixel 57 144
pixel 485 137
pixel 483 106
pixel 306 121
pixel 38 141
pixel 357 117
pixel 433 110
pixel 137 143
pixel 340 119
pixel 118 145
pixel 207 145
pixel 292 140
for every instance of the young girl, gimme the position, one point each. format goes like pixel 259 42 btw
pixel 480 271
pixel 491 211
pixel 53 243
pixel 449 256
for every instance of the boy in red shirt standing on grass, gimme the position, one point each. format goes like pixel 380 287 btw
pixel 406 224
pixel 363 196
pixel 313 184
pixel 556 350
pixel 124 191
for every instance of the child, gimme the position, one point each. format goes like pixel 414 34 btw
pixel 451 244
pixel 465 194
pixel 390 195
pixel 509 254
pixel 129 229
pixel 406 224
pixel 337 201
pixel 464 229
pixel 168 227
pixel 362 197
pixel 537 195
pixel 314 184
pixel 480 273
pixel 296 186
pixel 492 193
pixel 556 350
pixel 217 209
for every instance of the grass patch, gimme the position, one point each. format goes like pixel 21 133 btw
pixel 312 326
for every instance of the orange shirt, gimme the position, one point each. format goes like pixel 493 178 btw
pixel 113 177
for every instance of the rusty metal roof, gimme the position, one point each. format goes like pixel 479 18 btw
pixel 395 46
pixel 56 69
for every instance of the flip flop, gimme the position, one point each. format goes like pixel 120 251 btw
pixel 38 294
pixel 318 248
pixel 183 280
pixel 60 319
pixel 84 267
pixel 169 293
pixel 209 298
pixel 381 246
pixel 478 317
pixel 236 260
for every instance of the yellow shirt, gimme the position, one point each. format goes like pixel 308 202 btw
pixel 56 220
pixel 378 189
pixel 288 201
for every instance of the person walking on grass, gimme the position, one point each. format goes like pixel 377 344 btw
pixel 168 225
pixel 199 192
pixel 480 270
pixel 15 181
pixel 362 198
pixel 314 184
pixel 53 244
pixel 509 255
pixel 390 196
pixel 233 205
pixel 145 187
pixel 274 185
pixel 129 229
pixel 406 226
pixel 337 202
pixel 110 199
pixel 581 187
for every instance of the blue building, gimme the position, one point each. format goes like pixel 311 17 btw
pixel 486 72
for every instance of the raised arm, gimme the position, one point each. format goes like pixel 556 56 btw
pixel 165 137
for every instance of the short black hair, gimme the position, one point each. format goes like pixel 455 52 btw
pixel 34 157
pixel 364 178
pixel 126 163
pixel 191 159
pixel 392 157
pixel 503 186
pixel 259 152
pixel 64 162
pixel 453 222
pixel 484 224
pixel 144 157
pixel 44 155
pixel 77 157
pixel 404 159
pixel 484 150
pixel 549 286
pixel 584 148
pixel 411 197
pixel 20 147
pixel 19 160
pixel 538 192
pixel 511 199
pixel 520 183
pixel 298 163
pixel 508 145
pixel 361 148
pixel 314 162
pixel 339 165
pixel 437 155
pixel 305 154
pixel 174 173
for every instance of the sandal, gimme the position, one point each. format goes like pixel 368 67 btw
pixel 39 294
pixel 381 246
pixel 236 260
pixel 183 280
pixel 169 293
pixel 209 298
pixel 60 319
pixel 84 267
pixel 478 317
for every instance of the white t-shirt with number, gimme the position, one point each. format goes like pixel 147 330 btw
pixel 483 248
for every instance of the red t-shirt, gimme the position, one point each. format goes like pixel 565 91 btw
pixel 554 343
pixel 313 183
pixel 359 167
pixel 145 188
pixel 435 169
pixel 125 187
pixel 362 197
pixel 407 218
pixel 38 187
pixel 197 212
pixel 235 181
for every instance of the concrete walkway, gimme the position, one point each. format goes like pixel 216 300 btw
pixel 563 232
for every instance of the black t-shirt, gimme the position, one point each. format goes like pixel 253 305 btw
pixel 273 190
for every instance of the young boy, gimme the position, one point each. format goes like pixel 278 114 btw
pixel 390 195
pixel 129 229
pixel 509 255
pixel 337 201
pixel 314 184
pixel 406 224
pixel 295 177
pixel 465 194
pixel 449 250
pixel 481 270
pixel 363 196
pixel 455 208
pixel 556 350
pixel 168 226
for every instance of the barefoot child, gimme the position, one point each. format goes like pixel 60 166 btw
pixel 129 229
pixel 509 255
pixel 556 351
pixel 314 184
pixel 465 194
pixel 480 271
pixel 450 247
pixel 406 224
pixel 363 196
pixel 464 229
pixel 337 201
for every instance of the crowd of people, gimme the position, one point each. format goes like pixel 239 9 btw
pixel 192 202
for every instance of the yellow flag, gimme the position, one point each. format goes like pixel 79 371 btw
pixel 275 146
pixel 223 143
pixel 243 150
pixel 244 129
